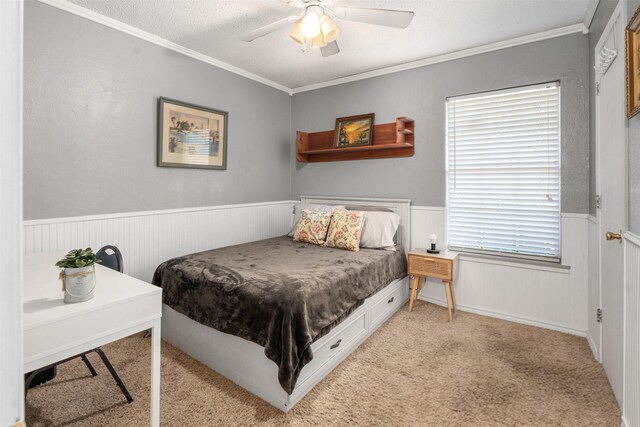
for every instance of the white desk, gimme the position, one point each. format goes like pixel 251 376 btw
pixel 54 331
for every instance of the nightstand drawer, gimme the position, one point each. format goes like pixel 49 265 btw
pixel 432 267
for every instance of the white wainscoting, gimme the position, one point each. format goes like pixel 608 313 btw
pixel 594 330
pixel 146 239
pixel 631 400
pixel 549 297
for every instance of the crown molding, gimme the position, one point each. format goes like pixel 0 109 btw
pixel 558 32
pixel 67 6
pixel 151 38
pixel 589 14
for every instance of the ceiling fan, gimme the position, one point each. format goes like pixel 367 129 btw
pixel 315 27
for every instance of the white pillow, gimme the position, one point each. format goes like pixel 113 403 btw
pixel 299 207
pixel 379 230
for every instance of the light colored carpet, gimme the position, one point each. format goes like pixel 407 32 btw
pixel 417 369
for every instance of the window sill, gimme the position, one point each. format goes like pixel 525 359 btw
pixel 530 264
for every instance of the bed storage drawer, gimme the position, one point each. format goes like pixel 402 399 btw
pixel 334 344
pixel 388 304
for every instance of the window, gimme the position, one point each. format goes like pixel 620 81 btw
pixel 503 172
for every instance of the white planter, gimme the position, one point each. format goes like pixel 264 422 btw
pixel 78 283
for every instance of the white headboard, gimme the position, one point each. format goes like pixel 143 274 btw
pixel 402 207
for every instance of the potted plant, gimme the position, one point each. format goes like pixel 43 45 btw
pixel 78 275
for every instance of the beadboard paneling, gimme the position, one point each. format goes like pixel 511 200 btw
pixel 146 239
pixel 550 297
pixel 425 221
pixel 631 400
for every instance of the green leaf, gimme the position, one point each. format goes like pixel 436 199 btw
pixel 77 258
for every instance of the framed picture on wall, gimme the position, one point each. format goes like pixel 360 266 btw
pixel 633 65
pixel 190 136
pixel 354 130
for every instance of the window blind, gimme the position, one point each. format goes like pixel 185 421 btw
pixel 503 172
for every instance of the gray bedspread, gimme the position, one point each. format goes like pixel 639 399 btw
pixel 280 294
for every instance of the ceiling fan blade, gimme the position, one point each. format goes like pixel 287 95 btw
pixel 330 49
pixel 386 17
pixel 267 29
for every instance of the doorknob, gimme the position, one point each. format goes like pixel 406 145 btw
pixel 613 236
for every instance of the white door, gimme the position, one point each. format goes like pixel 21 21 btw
pixel 611 187
pixel 11 378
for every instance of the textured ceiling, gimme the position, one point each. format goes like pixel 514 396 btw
pixel 211 27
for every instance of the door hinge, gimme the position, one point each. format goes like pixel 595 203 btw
pixel 598 201
pixel 597 88
pixel 599 315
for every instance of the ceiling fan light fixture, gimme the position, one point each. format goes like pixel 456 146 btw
pixel 329 29
pixel 296 34
pixel 318 42
pixel 315 27
pixel 310 24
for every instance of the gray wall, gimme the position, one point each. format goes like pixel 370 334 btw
pixel 90 119
pixel 420 93
pixel 90 124
pixel 600 19
pixel 634 154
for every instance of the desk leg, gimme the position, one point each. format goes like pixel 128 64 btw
pixel 414 291
pixel 155 374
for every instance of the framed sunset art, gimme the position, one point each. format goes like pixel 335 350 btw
pixel 190 136
pixel 633 65
pixel 354 131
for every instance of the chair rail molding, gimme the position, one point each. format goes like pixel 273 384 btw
pixel 146 239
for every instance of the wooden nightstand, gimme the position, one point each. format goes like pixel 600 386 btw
pixel 440 266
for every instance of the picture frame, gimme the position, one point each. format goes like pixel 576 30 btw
pixel 632 34
pixel 354 131
pixel 191 136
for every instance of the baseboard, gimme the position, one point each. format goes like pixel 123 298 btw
pixel 593 346
pixel 507 317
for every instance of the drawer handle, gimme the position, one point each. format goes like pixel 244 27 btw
pixel 336 345
pixel 391 300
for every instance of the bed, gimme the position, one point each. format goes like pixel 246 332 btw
pixel 275 316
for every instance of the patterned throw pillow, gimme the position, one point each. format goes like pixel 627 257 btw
pixel 312 227
pixel 345 229
pixel 299 207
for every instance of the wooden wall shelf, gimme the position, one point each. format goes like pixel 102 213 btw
pixel 390 140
